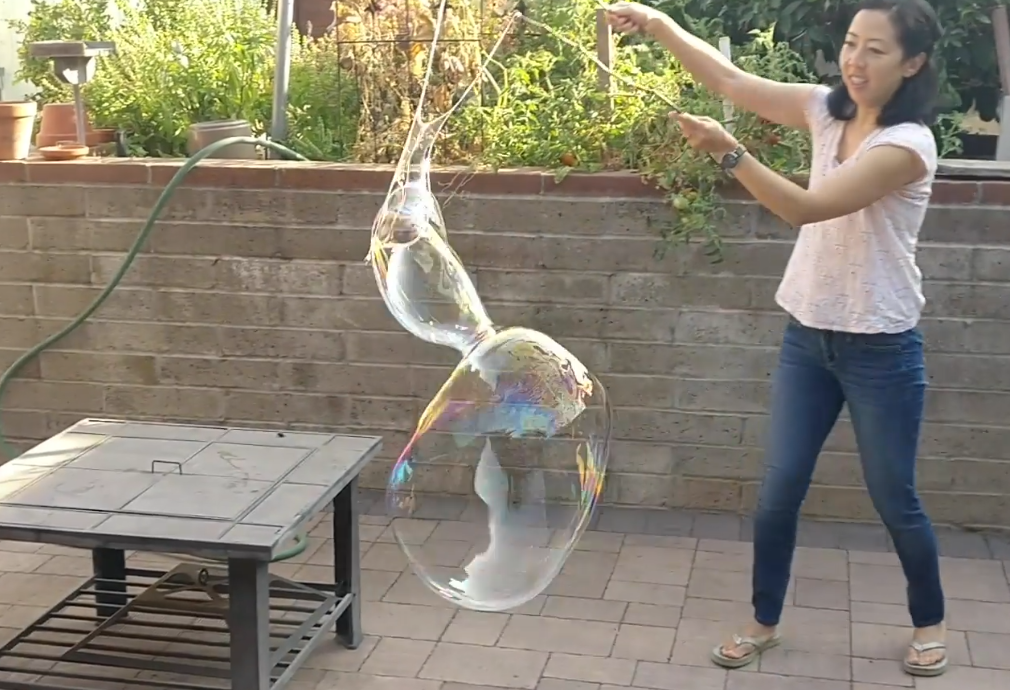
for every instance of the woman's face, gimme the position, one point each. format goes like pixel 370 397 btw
pixel 872 61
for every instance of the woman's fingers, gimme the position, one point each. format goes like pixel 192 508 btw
pixel 625 17
pixel 622 24
pixel 690 127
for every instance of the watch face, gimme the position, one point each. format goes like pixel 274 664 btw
pixel 730 160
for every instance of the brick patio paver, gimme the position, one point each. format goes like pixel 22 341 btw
pixel 638 609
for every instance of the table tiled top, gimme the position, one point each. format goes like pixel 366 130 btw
pixel 170 487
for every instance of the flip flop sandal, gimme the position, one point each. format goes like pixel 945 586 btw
pixel 929 670
pixel 758 647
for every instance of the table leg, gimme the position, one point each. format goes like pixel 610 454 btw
pixel 347 563
pixel 249 623
pixel 109 567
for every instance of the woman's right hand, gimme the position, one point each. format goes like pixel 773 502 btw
pixel 631 17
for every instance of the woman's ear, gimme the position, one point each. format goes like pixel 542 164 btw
pixel 913 65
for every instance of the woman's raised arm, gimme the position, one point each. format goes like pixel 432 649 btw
pixel 778 102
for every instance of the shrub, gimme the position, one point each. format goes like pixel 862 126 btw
pixel 184 61
pixel 323 101
pixel 385 49
pixel 179 62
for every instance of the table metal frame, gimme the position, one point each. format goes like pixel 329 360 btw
pixel 254 660
pixel 254 655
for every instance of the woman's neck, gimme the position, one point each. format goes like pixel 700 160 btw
pixel 865 120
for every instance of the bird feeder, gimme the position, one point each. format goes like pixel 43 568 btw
pixel 73 64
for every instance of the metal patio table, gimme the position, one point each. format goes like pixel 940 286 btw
pixel 224 501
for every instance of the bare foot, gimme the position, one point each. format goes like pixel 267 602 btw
pixel 927 655
pixel 745 646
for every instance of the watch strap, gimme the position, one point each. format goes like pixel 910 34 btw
pixel 732 159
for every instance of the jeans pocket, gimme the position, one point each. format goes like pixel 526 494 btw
pixel 889 343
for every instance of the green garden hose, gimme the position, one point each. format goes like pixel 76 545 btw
pixel 9 450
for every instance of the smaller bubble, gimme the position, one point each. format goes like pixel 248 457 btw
pixel 420 277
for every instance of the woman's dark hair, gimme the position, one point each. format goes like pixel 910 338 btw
pixel 918 31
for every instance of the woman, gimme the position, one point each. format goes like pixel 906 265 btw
pixel 852 289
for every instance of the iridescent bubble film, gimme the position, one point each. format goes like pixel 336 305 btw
pixel 521 431
pixel 503 472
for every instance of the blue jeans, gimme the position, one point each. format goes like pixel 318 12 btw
pixel 881 377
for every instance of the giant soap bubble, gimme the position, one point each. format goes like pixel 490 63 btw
pixel 506 465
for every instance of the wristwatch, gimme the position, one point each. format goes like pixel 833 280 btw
pixel 732 159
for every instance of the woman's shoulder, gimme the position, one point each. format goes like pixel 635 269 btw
pixel 912 136
pixel 817 112
pixel 914 132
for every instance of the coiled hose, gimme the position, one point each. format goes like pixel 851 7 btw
pixel 300 542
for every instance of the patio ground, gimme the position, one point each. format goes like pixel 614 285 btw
pixel 639 605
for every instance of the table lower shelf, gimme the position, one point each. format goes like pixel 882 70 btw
pixel 168 631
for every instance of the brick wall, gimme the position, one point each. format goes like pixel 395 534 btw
pixel 252 305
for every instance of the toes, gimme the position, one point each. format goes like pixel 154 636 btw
pixel 730 651
pixel 925 658
pixel 734 651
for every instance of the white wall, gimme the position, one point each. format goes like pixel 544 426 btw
pixel 9 42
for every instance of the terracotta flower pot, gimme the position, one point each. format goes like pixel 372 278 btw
pixel 59 123
pixel 17 118
pixel 97 137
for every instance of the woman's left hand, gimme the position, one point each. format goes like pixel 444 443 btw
pixel 705 134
